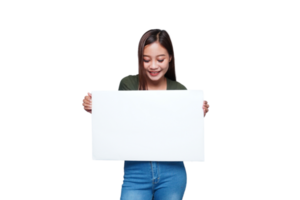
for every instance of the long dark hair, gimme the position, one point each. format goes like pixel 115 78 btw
pixel 163 38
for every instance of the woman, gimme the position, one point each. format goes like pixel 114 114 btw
pixel 146 180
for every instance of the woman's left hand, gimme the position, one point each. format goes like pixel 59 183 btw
pixel 205 107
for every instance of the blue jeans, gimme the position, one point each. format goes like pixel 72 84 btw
pixel 146 180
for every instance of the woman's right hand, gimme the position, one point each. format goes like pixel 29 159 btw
pixel 87 103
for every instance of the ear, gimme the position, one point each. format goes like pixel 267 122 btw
pixel 170 58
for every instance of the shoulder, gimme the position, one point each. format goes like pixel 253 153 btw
pixel 175 85
pixel 180 86
pixel 128 82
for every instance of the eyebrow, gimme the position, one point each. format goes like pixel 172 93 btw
pixel 156 56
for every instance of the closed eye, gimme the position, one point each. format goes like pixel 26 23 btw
pixel 149 60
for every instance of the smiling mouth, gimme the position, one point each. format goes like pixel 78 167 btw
pixel 154 72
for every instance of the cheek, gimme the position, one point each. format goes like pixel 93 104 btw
pixel 166 66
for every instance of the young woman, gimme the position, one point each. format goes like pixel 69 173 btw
pixel 147 180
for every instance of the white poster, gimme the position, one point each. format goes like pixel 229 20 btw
pixel 161 125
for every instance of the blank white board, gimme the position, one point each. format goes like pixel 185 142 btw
pixel 148 125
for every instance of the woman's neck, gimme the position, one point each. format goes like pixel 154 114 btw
pixel 159 86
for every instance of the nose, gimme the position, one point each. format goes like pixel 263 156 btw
pixel 153 66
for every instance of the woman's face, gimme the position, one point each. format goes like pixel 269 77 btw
pixel 156 61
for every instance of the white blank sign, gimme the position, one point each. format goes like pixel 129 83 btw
pixel 148 125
